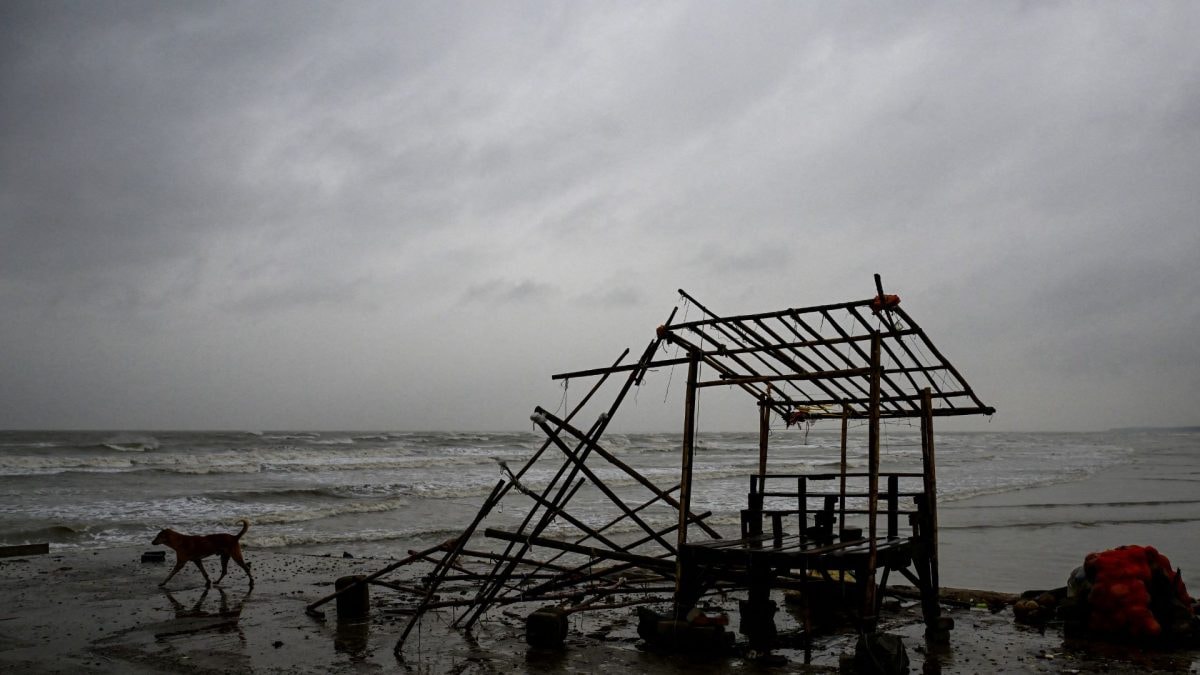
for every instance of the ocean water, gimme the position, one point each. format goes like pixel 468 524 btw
pixel 378 493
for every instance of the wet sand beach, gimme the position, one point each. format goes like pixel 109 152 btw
pixel 101 610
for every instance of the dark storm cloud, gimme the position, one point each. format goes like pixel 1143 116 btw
pixel 224 214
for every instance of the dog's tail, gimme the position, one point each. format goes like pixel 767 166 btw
pixel 245 526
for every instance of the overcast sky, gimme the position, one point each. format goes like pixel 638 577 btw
pixel 260 215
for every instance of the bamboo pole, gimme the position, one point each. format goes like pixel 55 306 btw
pixel 628 470
pixel 645 561
pixel 842 487
pixel 827 343
pixel 868 610
pixel 502 568
pixel 949 366
pixel 816 367
pixel 770 315
pixel 764 431
pixel 640 507
pixel 486 592
pixel 612 496
pixel 726 381
pixel 688 452
pixel 312 607
pixel 497 578
pixel 891 355
pixel 929 469
pixel 528 464
pixel 443 565
pixel 751 337
pixel 572 577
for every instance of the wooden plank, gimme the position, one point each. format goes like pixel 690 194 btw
pixel 656 564
pixel 24 549
pixel 850 474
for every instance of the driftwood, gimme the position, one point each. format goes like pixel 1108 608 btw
pixel 961 597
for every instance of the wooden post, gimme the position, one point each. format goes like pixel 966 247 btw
pixel 764 429
pixel 802 503
pixel 893 506
pixel 685 477
pixel 872 488
pixel 842 491
pixel 929 475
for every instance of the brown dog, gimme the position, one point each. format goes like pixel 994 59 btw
pixel 190 547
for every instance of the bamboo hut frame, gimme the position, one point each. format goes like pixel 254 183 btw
pixel 860 360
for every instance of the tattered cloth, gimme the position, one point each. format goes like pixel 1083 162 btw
pixel 1135 593
pixel 797 416
pixel 885 301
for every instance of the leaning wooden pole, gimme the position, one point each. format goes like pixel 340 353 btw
pixel 587 442
pixel 529 464
pixel 440 570
pixel 311 609
pixel 629 471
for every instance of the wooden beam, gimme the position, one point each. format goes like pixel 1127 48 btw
pixel 648 562
pixel 619 369
pixel 786 377
pixel 629 471
pixel 716 320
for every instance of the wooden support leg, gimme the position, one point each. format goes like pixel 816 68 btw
pixel 689 588
pixel 930 608
pixel 758 610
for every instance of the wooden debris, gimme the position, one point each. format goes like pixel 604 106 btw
pixel 859 360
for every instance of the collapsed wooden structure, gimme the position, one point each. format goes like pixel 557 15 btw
pixel 850 361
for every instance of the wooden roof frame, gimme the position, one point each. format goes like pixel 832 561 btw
pixel 815 362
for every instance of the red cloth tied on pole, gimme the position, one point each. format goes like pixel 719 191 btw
pixel 885 301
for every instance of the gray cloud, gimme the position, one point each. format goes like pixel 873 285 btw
pixel 497 292
pixel 283 214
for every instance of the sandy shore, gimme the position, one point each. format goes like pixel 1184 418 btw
pixel 101 611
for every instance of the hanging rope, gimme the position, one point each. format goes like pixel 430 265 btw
pixel 562 403
pixel 671 375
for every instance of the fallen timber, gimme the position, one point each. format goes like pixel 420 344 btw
pixel 860 360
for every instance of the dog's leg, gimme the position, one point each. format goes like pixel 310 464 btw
pixel 207 581
pixel 179 563
pixel 236 554
pixel 224 567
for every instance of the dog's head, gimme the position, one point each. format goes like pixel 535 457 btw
pixel 162 537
